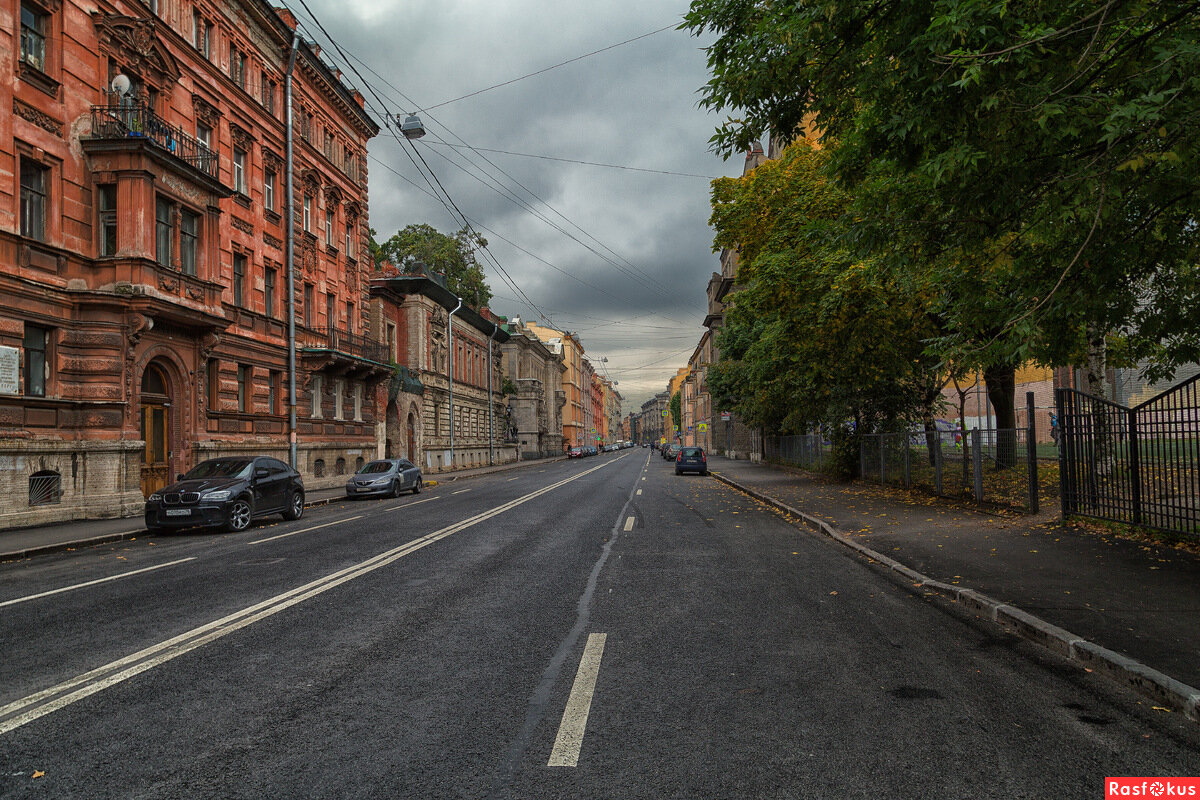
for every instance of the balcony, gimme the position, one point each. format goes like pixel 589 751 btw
pixel 340 352
pixel 137 122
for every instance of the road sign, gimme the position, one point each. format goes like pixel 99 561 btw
pixel 703 427
pixel 726 416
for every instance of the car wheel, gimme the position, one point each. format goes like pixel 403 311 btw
pixel 296 509
pixel 703 473
pixel 240 514
pixel 417 487
pixel 678 472
pixel 395 492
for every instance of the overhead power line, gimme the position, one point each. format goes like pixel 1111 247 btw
pixel 576 161
pixel 555 66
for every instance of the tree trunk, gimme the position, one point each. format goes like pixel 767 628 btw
pixel 1104 444
pixel 1001 380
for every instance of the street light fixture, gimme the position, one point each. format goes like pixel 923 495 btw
pixel 411 127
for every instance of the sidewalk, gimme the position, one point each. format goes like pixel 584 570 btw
pixel 1097 593
pixel 25 542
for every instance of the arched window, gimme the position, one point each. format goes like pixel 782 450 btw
pixel 154 381
pixel 45 488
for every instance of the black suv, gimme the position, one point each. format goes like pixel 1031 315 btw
pixel 227 493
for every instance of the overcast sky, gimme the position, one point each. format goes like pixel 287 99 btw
pixel 631 276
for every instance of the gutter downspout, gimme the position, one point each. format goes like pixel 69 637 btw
pixel 491 402
pixel 291 257
pixel 450 373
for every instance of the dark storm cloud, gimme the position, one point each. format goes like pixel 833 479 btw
pixel 633 105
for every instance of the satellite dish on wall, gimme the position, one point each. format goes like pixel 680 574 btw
pixel 121 85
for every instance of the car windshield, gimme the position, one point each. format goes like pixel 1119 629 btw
pixel 221 468
pixel 376 467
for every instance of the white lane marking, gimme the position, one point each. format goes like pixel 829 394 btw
pixel 629 524
pixel 639 491
pixel 574 722
pixel 47 701
pixel 93 583
pixel 306 530
pixel 460 491
pixel 510 480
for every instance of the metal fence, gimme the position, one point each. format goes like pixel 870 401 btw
pixel 804 451
pixel 1138 465
pixel 987 465
pixel 136 120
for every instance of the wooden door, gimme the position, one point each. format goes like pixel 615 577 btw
pixel 156 471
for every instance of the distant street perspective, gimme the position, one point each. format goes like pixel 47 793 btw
pixel 710 399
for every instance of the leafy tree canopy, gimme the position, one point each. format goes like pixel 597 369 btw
pixel 452 256
pixel 1045 157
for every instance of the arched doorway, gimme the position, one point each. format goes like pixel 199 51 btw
pixel 155 399
pixel 411 430
pixel 392 433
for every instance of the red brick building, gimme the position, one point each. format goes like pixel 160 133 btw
pixel 143 250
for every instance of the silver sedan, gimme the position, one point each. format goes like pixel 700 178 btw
pixel 387 477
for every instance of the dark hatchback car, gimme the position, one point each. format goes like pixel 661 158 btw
pixel 228 493
pixel 388 477
pixel 691 459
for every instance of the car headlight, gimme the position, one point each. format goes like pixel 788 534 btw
pixel 155 498
pixel 216 494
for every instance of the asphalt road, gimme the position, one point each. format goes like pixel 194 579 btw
pixel 595 628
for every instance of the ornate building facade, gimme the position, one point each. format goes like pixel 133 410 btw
pixel 534 369
pixel 142 250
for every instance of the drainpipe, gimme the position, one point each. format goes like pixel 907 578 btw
pixel 291 259
pixel 491 402
pixel 450 373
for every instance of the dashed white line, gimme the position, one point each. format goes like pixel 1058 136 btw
pixel 629 524
pixel 574 722
pixel 460 491
pixel 639 491
pixel 306 530
pixel 93 583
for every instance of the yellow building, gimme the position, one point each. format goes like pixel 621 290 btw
pixel 576 385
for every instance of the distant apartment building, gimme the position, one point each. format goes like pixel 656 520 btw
pixel 535 371
pixel 445 404
pixel 143 248
pixel 579 408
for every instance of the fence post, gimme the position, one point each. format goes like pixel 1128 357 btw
pixel 1031 449
pixel 977 459
pixel 1135 469
pixel 883 459
pixel 862 455
pixel 937 462
pixel 908 461
pixel 1066 487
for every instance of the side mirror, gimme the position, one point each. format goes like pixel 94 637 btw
pixel 179 477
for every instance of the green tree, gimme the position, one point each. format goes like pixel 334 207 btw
pixel 676 406
pixel 452 256
pixel 1048 155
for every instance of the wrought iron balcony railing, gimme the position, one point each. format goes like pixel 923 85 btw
pixel 137 121
pixel 343 342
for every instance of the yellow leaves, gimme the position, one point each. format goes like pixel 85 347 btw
pixel 37 773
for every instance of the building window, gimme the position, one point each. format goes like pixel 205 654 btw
pixel 269 291
pixel 45 487
pixel 243 388
pixel 107 202
pixel 358 401
pixel 34 24
pixel 329 240
pixel 317 396
pixel 391 341
pixel 237 66
pixel 201 34
pixel 189 235
pixel 239 170
pixel 339 466
pixel 273 394
pixel 349 317
pixel 350 225
pixel 214 385
pixel 319 468
pixel 339 395
pixel 162 231
pixel 239 278
pixel 305 123
pixel 35 178
pixel 330 311
pixel 269 180
pixel 36 341
pixel 204 134
pixel 307 212
pixel 308 305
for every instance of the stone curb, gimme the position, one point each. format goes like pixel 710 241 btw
pixel 1122 669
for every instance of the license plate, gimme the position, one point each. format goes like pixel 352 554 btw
pixel 179 512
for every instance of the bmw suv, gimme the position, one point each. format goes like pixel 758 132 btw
pixel 227 493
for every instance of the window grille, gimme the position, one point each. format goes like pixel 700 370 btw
pixel 45 488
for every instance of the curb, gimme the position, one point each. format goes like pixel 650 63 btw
pixel 1122 669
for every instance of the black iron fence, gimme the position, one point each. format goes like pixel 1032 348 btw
pixel 1138 465
pixel 135 120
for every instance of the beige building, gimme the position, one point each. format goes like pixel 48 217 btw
pixel 534 372
pixel 577 417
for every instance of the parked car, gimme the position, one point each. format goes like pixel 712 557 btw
pixel 590 451
pixel 575 452
pixel 670 451
pixel 387 477
pixel 227 493
pixel 691 459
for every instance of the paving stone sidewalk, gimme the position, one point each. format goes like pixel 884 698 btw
pixel 1140 600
